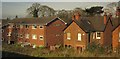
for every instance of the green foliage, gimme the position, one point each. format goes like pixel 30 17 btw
pixel 94 47
pixel 94 10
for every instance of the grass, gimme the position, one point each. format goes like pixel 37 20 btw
pixel 44 52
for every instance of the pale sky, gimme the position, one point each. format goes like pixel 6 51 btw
pixel 11 8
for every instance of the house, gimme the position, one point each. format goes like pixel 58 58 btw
pixel 83 31
pixel 45 31
pixel 76 35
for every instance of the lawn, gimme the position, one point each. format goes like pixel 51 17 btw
pixel 16 50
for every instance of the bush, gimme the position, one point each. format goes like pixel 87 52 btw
pixel 95 48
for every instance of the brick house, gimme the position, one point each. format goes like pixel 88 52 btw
pixel 45 31
pixel 83 31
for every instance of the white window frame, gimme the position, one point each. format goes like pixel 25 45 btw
pixel 21 26
pixel 9 26
pixel 41 26
pixel 26 25
pixel 21 36
pixel 27 36
pixel 69 38
pixel 97 34
pixel 9 34
pixel 33 26
pixel 79 36
pixel 42 37
pixel 33 36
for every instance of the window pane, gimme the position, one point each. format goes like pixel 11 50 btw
pixel 41 37
pixel 79 36
pixel 27 35
pixel 34 36
pixel 41 27
pixel 98 35
pixel 68 36
pixel 34 26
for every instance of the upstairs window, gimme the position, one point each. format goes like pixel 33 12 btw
pixel 9 26
pixel 79 36
pixel 34 36
pixel 98 35
pixel 34 26
pixel 27 36
pixel 41 27
pixel 41 37
pixel 9 34
pixel 21 36
pixel 68 36
pixel 93 35
pixel 21 26
pixel 26 26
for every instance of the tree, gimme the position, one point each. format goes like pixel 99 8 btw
pixel 94 10
pixel 81 11
pixel 34 9
pixel 40 10
pixel 62 13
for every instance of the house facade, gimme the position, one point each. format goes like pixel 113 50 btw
pixel 116 38
pixel 46 32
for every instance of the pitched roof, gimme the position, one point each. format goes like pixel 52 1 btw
pixel 115 22
pixel 41 21
pixel 91 24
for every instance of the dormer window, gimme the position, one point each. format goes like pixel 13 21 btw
pixel 34 26
pixel 98 35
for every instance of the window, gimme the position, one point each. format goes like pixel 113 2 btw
pixel 21 26
pixel 9 26
pixel 21 36
pixel 27 36
pixel 41 37
pixel 98 35
pixel 34 26
pixel 26 26
pixel 2 30
pixel 41 27
pixel 68 36
pixel 79 36
pixel 93 35
pixel 9 34
pixel 34 36
pixel 119 36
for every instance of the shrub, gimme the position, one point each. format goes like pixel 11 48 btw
pixel 95 48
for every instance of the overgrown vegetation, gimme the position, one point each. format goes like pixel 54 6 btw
pixel 94 51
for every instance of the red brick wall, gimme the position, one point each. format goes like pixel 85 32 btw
pixel 108 35
pixel 115 37
pixel 74 29
pixel 54 34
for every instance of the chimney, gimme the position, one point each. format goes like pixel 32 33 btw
pixel 76 16
pixel 16 16
pixel 105 18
